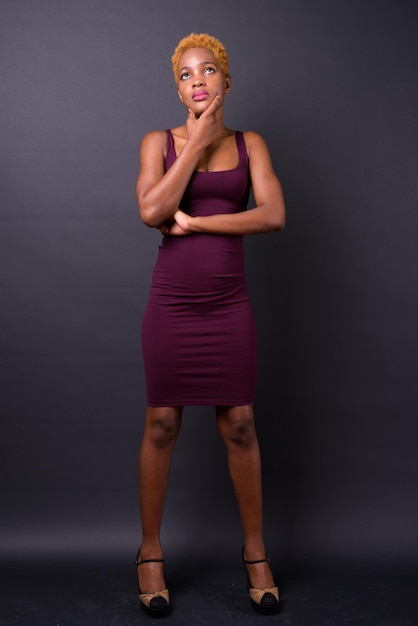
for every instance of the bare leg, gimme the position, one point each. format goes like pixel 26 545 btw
pixel 237 428
pixel 161 430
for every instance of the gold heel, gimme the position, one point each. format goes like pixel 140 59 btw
pixel 265 601
pixel 154 604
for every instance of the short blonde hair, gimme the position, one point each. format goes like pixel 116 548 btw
pixel 200 40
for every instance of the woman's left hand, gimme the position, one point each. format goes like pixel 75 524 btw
pixel 183 221
pixel 172 228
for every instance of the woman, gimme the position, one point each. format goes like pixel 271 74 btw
pixel 198 330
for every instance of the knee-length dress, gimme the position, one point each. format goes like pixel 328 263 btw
pixel 198 329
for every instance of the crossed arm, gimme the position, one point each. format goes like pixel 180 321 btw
pixel 268 214
pixel 159 193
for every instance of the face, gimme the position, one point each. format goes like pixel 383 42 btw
pixel 200 79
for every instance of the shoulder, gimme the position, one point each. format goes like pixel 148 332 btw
pixel 153 146
pixel 259 156
pixel 154 138
pixel 254 141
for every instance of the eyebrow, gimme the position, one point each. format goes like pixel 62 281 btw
pixel 188 67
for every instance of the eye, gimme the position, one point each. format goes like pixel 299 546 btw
pixel 209 70
pixel 184 75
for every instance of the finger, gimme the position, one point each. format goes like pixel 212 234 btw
pixel 213 106
pixel 191 115
pixel 215 103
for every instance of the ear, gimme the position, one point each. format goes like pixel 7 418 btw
pixel 227 83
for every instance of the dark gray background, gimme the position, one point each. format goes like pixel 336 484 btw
pixel 331 85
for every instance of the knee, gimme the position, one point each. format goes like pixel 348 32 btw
pixel 236 425
pixel 163 426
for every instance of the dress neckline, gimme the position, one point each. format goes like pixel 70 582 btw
pixel 232 169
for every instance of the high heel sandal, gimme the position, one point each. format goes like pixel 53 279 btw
pixel 154 604
pixel 265 601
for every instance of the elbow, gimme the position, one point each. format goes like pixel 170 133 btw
pixel 148 215
pixel 278 221
pixel 153 214
pixel 273 217
pixel 149 220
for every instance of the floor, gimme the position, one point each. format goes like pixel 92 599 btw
pixel 73 593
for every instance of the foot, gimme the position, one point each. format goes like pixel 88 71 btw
pixel 263 592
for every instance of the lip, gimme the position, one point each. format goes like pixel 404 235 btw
pixel 200 95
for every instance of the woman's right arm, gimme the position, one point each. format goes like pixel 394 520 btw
pixel 159 192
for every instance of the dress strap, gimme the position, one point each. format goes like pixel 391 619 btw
pixel 242 148
pixel 171 153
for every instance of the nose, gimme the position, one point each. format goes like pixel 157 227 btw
pixel 198 80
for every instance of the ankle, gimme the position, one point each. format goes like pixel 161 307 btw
pixel 150 549
pixel 254 551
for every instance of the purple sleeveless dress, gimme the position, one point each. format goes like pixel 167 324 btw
pixel 198 330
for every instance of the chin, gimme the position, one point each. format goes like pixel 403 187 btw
pixel 199 107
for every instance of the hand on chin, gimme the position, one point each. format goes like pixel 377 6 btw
pixel 199 107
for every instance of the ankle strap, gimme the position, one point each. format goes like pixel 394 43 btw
pixel 254 562
pixel 140 562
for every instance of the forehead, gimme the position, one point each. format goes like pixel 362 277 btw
pixel 197 55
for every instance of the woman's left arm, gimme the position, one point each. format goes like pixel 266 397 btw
pixel 268 214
